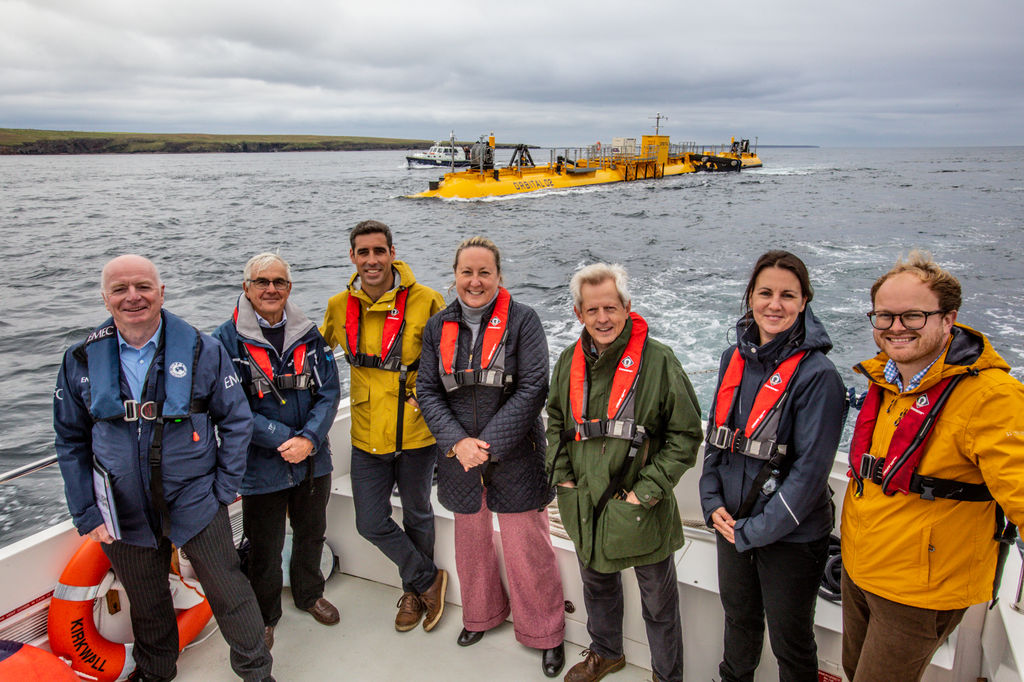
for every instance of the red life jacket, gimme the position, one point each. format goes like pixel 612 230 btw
pixel 619 421
pixel 759 438
pixel 390 358
pixel 492 352
pixel 896 470
pixel 265 380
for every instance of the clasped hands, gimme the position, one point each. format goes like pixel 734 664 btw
pixel 724 523
pixel 471 452
pixel 295 449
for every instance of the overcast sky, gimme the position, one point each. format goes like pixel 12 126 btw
pixel 550 72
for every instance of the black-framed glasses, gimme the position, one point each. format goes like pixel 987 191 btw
pixel 910 319
pixel 262 283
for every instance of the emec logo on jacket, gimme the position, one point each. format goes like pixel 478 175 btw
pixel 775 380
pixel 178 370
pixel 394 312
pixel 922 401
pixel 495 321
pixel 627 362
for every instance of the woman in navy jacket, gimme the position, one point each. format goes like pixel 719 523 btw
pixel 482 383
pixel 292 382
pixel 772 436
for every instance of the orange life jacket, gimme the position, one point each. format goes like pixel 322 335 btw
pixel 390 358
pixel 264 380
pixel 759 438
pixel 896 471
pixel 492 352
pixel 619 421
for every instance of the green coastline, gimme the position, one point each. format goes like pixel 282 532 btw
pixel 28 141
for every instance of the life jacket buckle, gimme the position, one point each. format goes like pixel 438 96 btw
pixel 927 490
pixel 595 428
pixel 298 382
pixel 722 437
pixel 134 410
pixel 871 467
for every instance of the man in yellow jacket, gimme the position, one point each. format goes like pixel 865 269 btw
pixel 937 458
pixel 378 321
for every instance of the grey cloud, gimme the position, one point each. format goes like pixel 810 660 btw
pixel 547 72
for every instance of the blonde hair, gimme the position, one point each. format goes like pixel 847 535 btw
pixel 920 264
pixel 481 242
pixel 596 273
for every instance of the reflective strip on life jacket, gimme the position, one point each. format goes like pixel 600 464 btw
pixel 760 435
pixel 895 470
pixel 619 421
pixel 492 352
pixel 391 338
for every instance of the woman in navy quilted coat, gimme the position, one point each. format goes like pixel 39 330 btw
pixel 482 383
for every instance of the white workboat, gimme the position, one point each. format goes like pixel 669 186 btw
pixel 441 153
pixel 989 644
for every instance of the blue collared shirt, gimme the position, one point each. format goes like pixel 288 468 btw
pixel 263 323
pixel 892 375
pixel 135 362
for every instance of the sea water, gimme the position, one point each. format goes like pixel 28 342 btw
pixel 688 243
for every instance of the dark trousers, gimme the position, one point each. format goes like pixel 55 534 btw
pixel 411 547
pixel 886 640
pixel 263 519
pixel 143 572
pixel 659 597
pixel 778 582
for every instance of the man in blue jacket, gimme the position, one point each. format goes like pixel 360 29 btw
pixel 155 406
pixel 292 382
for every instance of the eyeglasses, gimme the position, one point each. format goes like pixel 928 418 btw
pixel 262 283
pixel 911 320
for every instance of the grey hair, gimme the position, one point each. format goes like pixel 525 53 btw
pixel 595 273
pixel 262 261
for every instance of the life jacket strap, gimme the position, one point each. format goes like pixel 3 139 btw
pixel 476 377
pixel 605 428
pixel 734 440
pixel 152 410
pixel 297 382
pixel 928 487
pixel 392 364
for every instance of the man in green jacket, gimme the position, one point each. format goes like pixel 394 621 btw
pixel 623 426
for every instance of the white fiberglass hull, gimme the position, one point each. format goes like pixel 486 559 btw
pixel 989 643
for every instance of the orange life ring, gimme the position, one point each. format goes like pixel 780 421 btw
pixel 26 663
pixel 73 632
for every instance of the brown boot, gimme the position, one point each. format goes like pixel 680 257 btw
pixel 433 600
pixel 410 610
pixel 594 667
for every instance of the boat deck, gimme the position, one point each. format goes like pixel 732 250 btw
pixel 366 646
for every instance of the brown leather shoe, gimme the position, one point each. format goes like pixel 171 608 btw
pixel 594 667
pixel 410 610
pixel 325 612
pixel 433 600
pixel 268 637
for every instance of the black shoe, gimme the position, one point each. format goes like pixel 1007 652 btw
pixel 469 637
pixel 552 660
